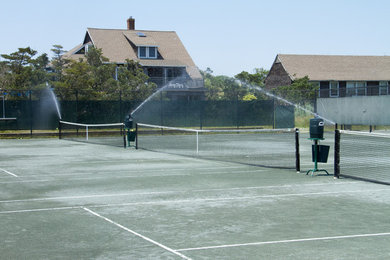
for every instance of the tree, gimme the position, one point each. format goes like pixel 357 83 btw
pixel 301 91
pixel 77 82
pixel 102 72
pixel 222 87
pixel 132 81
pixel 257 78
pixel 58 62
pixel 20 71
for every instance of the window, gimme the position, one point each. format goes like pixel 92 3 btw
pixel 334 89
pixel 147 52
pixel 361 88
pixel 383 88
pixel 356 88
pixel 142 52
pixel 152 52
pixel 351 89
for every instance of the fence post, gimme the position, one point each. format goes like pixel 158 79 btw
pixel 77 106
pixel 31 113
pixel 120 107
pixel 297 154
pixel 337 154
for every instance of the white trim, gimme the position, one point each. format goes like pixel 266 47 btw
pixel 135 233
pixel 147 52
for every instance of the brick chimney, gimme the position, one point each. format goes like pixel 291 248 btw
pixel 131 23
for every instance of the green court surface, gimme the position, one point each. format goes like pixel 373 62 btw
pixel 64 199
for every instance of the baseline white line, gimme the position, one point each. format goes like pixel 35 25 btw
pixel 181 191
pixel 10 173
pixel 135 233
pixel 118 177
pixel 88 196
pixel 193 200
pixel 284 241
pixel 38 210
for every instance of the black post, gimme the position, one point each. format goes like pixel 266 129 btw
pixel 77 106
pixel 161 109
pixel 31 113
pixel 120 107
pixel 273 113
pixel 237 113
pixel 297 155
pixel 136 136
pixel 337 154
pixel 201 113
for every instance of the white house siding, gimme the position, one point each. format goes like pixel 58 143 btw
pixel 357 110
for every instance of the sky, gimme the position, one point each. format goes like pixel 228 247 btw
pixel 227 36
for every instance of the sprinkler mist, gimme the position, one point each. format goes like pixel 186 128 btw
pixel 260 89
pixel 179 81
pixel 54 100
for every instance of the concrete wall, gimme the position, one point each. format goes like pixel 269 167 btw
pixel 357 110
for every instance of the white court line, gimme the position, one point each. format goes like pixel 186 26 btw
pixel 137 234
pixel 170 192
pixel 38 210
pixel 88 196
pixel 284 241
pixel 10 173
pixel 120 177
pixel 141 171
pixel 193 200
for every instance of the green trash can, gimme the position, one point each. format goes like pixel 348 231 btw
pixel 322 153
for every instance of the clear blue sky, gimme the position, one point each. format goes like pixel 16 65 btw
pixel 227 36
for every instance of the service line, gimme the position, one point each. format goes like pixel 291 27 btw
pixel 135 233
pixel 284 241
pixel 10 173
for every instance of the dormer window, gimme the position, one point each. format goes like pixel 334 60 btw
pixel 147 52
pixel 84 49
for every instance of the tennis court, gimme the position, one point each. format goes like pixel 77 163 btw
pixel 64 199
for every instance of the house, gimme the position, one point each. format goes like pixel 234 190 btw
pixel 352 89
pixel 161 54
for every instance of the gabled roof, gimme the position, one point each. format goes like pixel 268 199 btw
pixel 336 67
pixel 119 45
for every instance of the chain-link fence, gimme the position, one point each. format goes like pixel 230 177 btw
pixel 40 110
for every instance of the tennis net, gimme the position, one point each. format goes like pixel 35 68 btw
pixel 365 156
pixel 106 134
pixel 274 148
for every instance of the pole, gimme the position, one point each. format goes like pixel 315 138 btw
pixel 3 106
pixel 297 155
pixel 337 154
pixel 315 155
pixel 31 114
pixel 136 136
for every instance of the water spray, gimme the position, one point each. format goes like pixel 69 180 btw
pixel 258 88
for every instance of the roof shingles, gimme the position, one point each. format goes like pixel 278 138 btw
pixel 337 67
pixel 119 45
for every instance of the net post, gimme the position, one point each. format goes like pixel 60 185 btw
pixel 337 154
pixel 297 155
pixel 136 136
